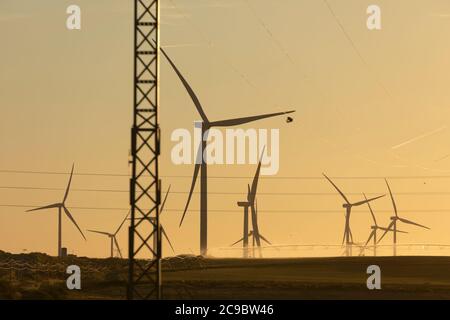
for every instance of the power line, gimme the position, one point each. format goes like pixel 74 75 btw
pixel 64 173
pixel 62 189
pixel 231 211
pixel 231 193
pixel 399 177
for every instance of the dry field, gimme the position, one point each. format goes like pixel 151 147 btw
pixel 38 276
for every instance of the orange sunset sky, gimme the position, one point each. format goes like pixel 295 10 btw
pixel 369 104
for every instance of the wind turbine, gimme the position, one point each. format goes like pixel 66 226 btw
pixel 112 237
pixel 375 227
pixel 348 237
pixel 202 167
pixel 394 219
pixel 254 235
pixel 62 207
pixel 250 203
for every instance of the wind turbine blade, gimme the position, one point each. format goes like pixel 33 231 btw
pixel 188 88
pixel 68 185
pixel 414 223
pixel 372 234
pixel 367 201
pixel 164 201
pixel 73 220
pixel 123 221
pixel 242 239
pixel 117 246
pixel 371 211
pixel 194 179
pixel 256 179
pixel 55 205
pixel 392 198
pixel 335 186
pixel 244 120
pixel 100 232
pixel 389 228
pixel 167 238
pixel 264 239
pixel 386 229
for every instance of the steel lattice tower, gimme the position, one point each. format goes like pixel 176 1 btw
pixel 144 274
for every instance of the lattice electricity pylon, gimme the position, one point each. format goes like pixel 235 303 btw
pixel 144 274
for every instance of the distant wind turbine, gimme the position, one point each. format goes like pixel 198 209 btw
pixel 254 235
pixel 62 207
pixel 375 227
pixel 251 203
pixel 112 237
pixel 348 237
pixel 393 225
pixel 202 168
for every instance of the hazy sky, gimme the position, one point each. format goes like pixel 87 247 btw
pixel 381 109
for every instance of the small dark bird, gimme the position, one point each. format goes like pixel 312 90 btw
pixel 289 119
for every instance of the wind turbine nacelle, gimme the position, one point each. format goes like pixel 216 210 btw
pixel 346 205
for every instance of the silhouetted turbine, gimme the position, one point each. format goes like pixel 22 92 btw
pixel 250 203
pixel 348 237
pixel 61 206
pixel 202 168
pixel 393 225
pixel 254 235
pixel 112 237
pixel 375 227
